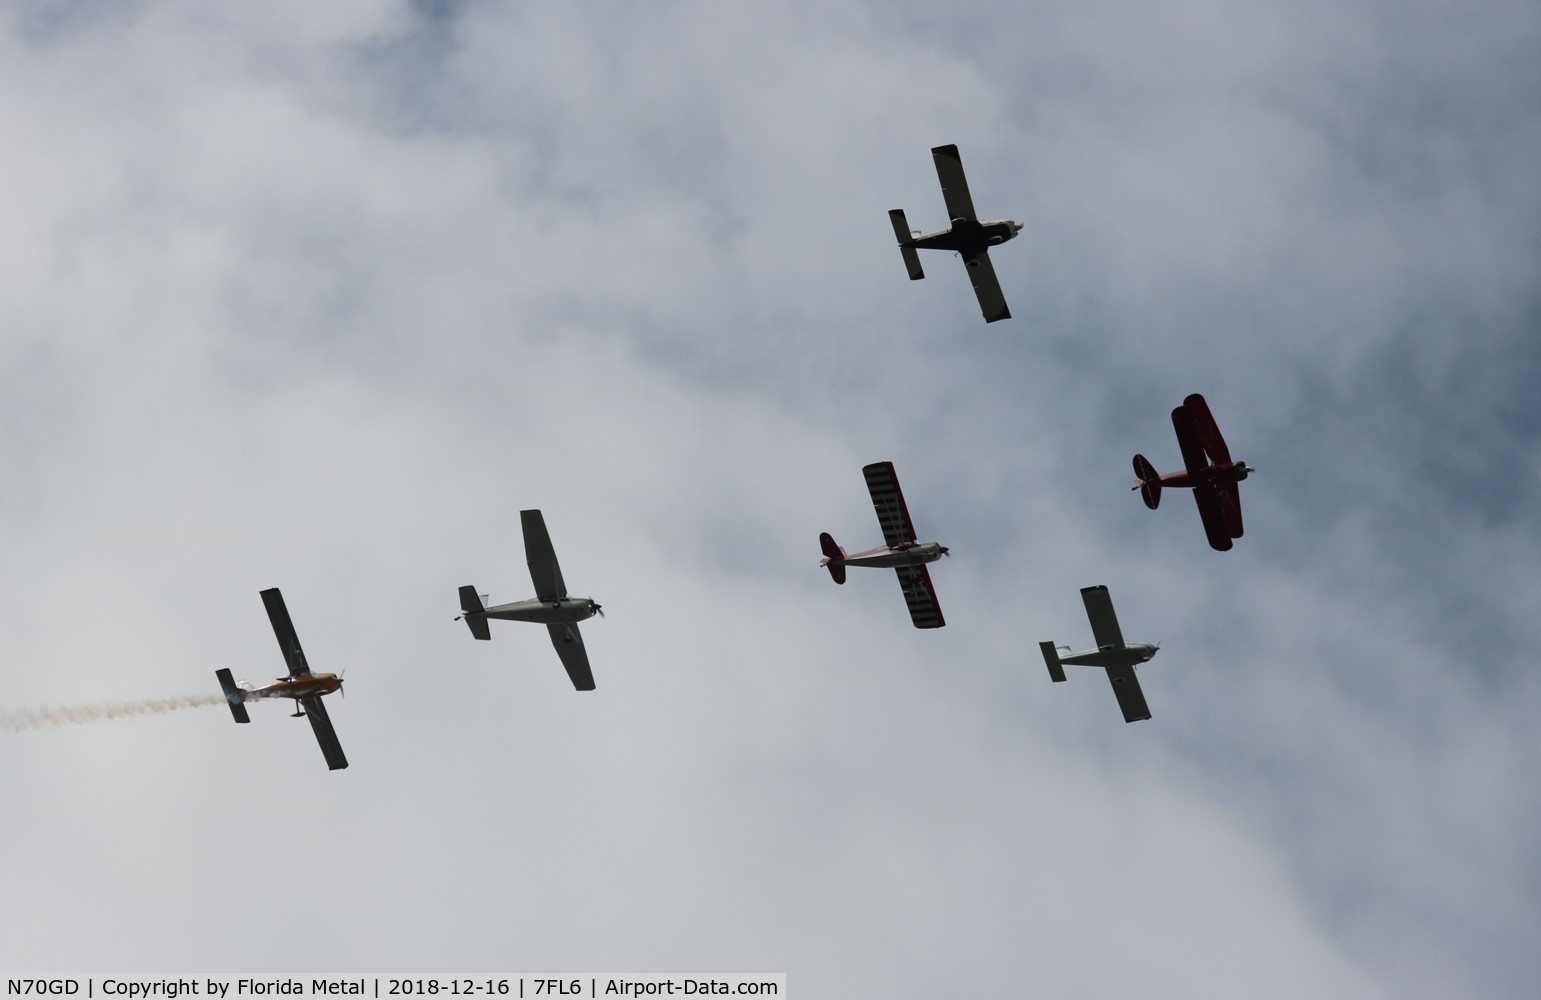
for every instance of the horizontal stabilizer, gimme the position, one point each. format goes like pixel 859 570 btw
pixel 902 231
pixel 471 604
pixel 1051 658
pixel 1150 481
pixel 834 557
pixel 234 696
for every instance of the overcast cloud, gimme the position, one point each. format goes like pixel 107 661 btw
pixel 319 296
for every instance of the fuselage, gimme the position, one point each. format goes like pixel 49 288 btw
pixel 1130 654
pixel 1231 472
pixel 551 612
pixel 967 237
pixel 913 554
pixel 303 686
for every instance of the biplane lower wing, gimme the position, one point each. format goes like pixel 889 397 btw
pixel 987 287
pixel 925 612
pixel 321 724
pixel 1207 430
pixel 1230 505
pixel 1212 513
pixel 569 646
pixel 1126 688
pixel 1188 440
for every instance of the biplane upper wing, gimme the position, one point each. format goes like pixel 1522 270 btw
pixel 987 287
pixel 321 724
pixel 283 627
pixel 1213 513
pixel 1126 688
pixel 1099 610
pixel 1188 440
pixel 920 596
pixel 544 571
pixel 888 501
pixel 569 646
pixel 949 170
pixel 1206 430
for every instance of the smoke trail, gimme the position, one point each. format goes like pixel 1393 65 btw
pixel 77 715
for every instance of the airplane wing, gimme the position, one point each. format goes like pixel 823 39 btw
pixel 321 723
pixel 949 170
pixel 544 571
pixel 1207 431
pixel 1188 439
pixel 987 287
pixel 893 516
pixel 569 646
pixel 1099 609
pixel 288 641
pixel 920 596
pixel 1212 512
pixel 1126 688
pixel 1230 503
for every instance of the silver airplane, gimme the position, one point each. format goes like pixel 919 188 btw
pixel 1115 655
pixel 550 606
pixel 967 235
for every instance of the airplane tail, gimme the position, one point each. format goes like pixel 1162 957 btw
pixel 834 557
pixel 1051 657
pixel 1150 481
pixel 472 606
pixel 233 695
pixel 902 230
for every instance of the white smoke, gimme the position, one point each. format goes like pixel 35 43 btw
pixel 77 715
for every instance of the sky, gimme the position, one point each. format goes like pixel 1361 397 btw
pixel 319 296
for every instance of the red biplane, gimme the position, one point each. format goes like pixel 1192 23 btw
pixel 1210 473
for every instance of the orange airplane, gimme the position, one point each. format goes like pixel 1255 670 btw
pixel 303 686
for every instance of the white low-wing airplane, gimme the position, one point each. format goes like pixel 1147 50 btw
pixel 967 235
pixel 1115 655
pixel 550 606
pixel 901 552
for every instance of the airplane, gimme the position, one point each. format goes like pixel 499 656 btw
pixel 1213 479
pixel 1112 653
pixel 551 606
pixel 967 236
pixel 902 552
pixel 303 686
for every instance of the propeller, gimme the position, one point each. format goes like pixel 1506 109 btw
pixel 597 609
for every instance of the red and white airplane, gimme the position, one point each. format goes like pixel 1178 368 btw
pixel 303 686
pixel 1209 472
pixel 902 552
